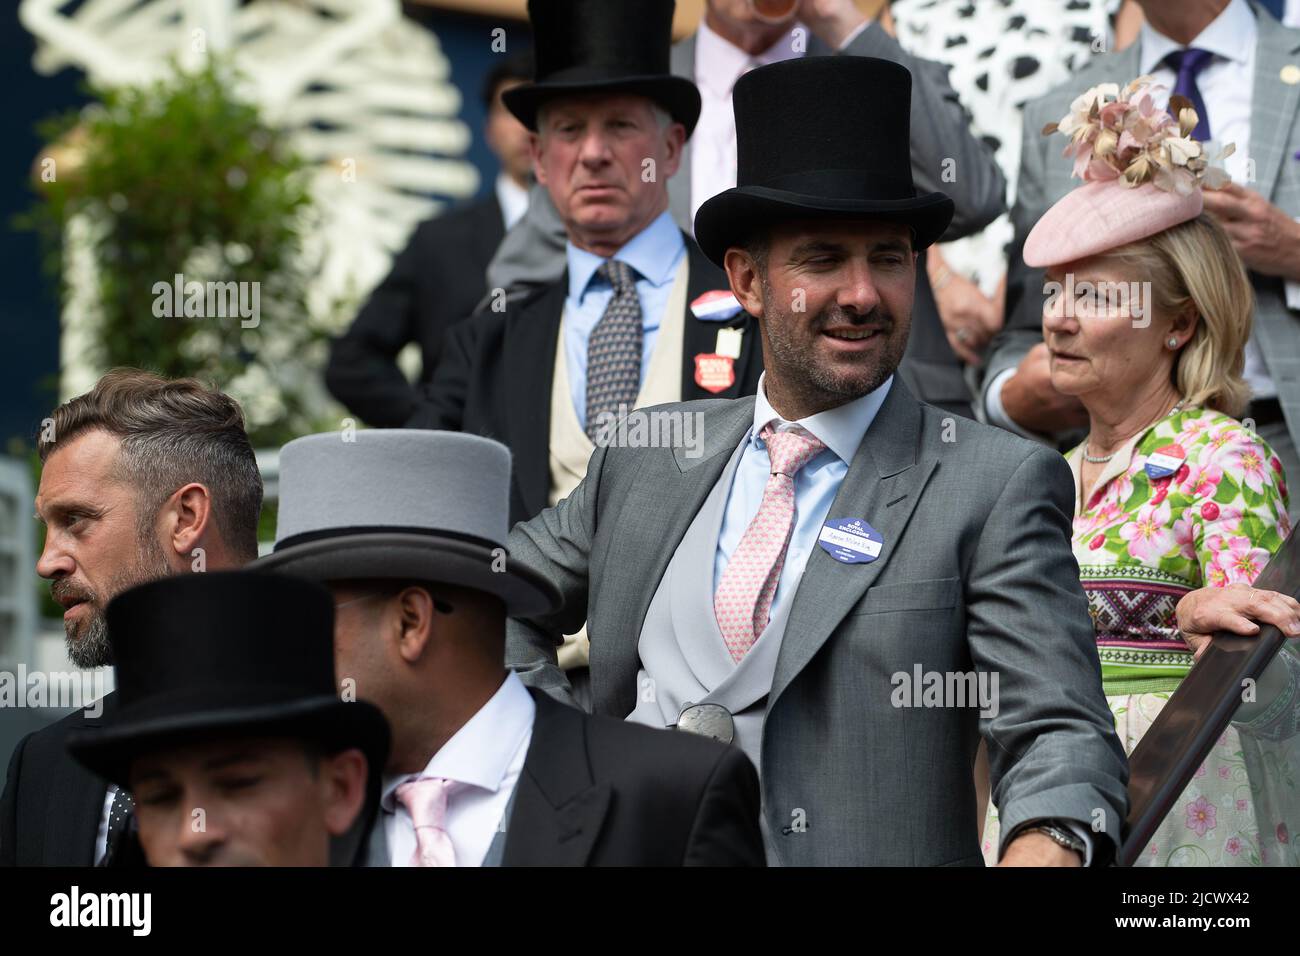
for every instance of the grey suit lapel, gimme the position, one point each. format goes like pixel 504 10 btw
pixel 883 484
pixel 673 491
pixel 1273 103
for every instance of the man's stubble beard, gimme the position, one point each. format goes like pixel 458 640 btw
pixel 90 647
pixel 816 385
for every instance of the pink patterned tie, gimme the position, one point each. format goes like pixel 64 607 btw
pixel 426 800
pixel 743 601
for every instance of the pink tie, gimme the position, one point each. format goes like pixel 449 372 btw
pixel 743 601
pixel 425 798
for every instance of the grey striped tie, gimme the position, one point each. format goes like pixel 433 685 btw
pixel 614 349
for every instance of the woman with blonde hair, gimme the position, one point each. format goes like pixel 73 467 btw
pixel 1147 316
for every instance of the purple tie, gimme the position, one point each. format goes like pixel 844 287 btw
pixel 1188 63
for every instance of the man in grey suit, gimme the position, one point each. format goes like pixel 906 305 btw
pixel 850 585
pixel 732 39
pixel 1245 68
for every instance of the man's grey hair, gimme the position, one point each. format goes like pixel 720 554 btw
pixel 172 432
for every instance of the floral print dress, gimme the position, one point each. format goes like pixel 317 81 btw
pixel 1144 542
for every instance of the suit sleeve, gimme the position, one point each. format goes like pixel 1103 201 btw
pixel 942 140
pixel 362 372
pixel 1023 326
pixel 726 830
pixel 1053 750
pixel 9 808
pixel 440 403
pixel 556 543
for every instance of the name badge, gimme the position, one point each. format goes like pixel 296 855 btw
pixel 714 373
pixel 716 306
pixel 729 340
pixel 850 540
pixel 1163 462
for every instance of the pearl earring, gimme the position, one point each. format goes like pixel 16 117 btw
pixel 1173 342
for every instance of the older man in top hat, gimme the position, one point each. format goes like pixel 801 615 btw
pixel 853 585
pixel 228 730
pixel 482 771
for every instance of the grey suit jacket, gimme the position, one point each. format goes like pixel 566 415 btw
pixel 532 252
pixel 1045 178
pixel 976 575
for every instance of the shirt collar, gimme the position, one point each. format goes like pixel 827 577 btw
pixel 719 63
pixel 480 753
pixel 840 429
pixel 653 252
pixel 1231 35
pixel 513 199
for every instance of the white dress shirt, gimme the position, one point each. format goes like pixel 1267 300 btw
pixel 512 198
pixel 485 758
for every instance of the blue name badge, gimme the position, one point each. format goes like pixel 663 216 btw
pixel 850 540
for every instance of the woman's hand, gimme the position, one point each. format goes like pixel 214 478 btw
pixel 1239 609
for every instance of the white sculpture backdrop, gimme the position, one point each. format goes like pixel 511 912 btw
pixel 364 93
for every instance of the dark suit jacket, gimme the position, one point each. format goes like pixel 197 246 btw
pixel 596 791
pixel 52 805
pixel 435 281
pixel 495 375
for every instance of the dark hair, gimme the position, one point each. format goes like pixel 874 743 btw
pixel 172 432
pixel 518 66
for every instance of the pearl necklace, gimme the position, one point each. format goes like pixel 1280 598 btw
pixel 1102 459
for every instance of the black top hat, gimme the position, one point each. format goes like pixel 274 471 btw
pixel 225 653
pixel 603 46
pixel 823 136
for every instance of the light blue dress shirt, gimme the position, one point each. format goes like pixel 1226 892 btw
pixel 840 430
pixel 655 253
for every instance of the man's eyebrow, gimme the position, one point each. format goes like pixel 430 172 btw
pixel 892 245
pixel 813 246
pixel 227 759
pixel 59 509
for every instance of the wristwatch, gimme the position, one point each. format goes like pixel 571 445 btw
pixel 1059 833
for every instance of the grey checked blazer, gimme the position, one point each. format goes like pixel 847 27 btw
pixel 1274 143
pixel 976 574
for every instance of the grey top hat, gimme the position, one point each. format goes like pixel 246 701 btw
pixel 402 503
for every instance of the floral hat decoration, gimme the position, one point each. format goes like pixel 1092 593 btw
pixel 1142 173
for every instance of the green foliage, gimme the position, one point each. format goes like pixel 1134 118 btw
pixel 184 177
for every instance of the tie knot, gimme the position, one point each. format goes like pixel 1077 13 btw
pixel 1188 61
pixel 788 451
pixel 425 798
pixel 619 274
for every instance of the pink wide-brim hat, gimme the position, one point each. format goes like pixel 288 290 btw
pixel 1099 216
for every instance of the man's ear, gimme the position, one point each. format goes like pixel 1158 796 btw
pixel 187 518
pixel 674 142
pixel 342 778
pixel 746 283
pixel 535 151
pixel 414 609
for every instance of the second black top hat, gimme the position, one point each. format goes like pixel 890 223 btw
pixel 821 137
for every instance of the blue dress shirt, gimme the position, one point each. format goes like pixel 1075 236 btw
pixel 840 430
pixel 655 253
